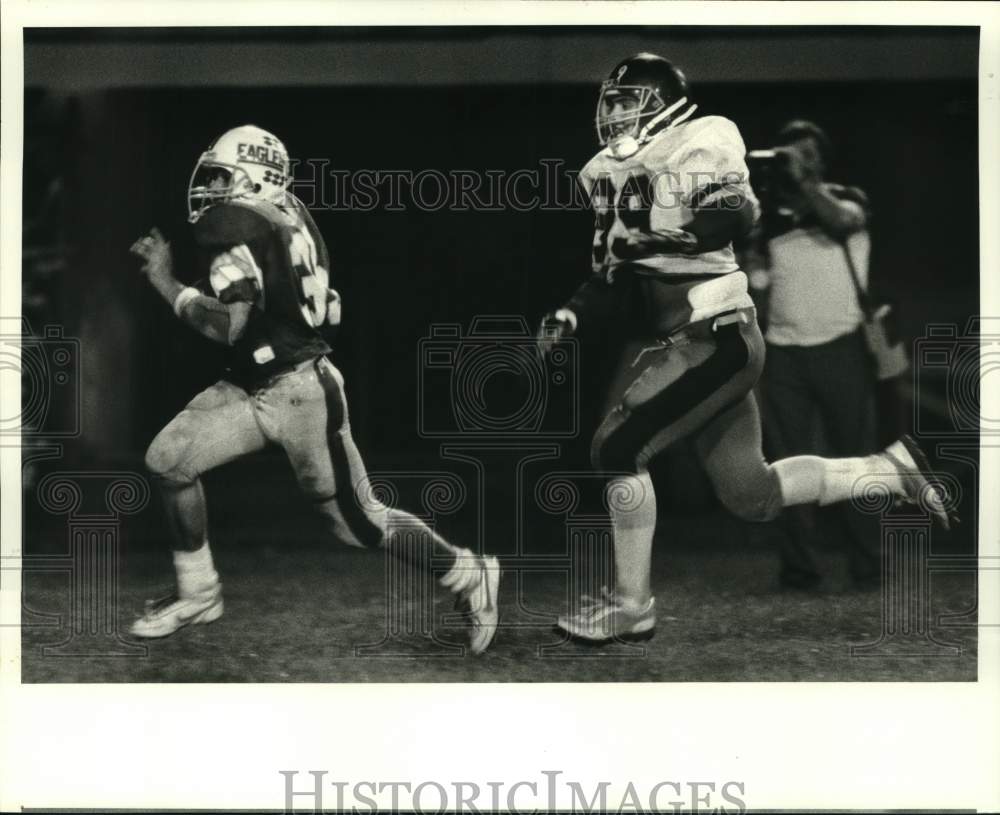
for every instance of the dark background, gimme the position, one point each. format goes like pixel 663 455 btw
pixel 114 122
pixel 123 157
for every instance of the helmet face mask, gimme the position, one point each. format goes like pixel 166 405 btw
pixel 621 110
pixel 643 95
pixel 215 183
pixel 245 162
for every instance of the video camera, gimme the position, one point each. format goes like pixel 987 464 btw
pixel 768 167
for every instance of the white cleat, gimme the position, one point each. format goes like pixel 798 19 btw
pixel 607 618
pixel 477 584
pixel 920 486
pixel 164 616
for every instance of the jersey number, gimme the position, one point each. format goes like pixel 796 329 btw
pixel 313 279
pixel 631 205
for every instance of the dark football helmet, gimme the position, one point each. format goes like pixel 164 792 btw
pixel 643 95
pixel 245 162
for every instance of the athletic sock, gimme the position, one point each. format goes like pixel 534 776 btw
pixel 632 505
pixel 464 572
pixel 409 539
pixel 195 571
pixel 815 480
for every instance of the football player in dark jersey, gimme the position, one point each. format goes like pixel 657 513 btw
pixel 265 295
pixel 670 192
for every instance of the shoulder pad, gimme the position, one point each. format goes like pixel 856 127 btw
pixel 232 223
pixel 718 130
pixel 593 167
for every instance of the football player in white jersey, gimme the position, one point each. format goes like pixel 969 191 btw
pixel 670 191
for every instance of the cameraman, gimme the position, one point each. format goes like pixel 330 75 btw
pixel 818 366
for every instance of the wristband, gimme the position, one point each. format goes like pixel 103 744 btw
pixel 185 296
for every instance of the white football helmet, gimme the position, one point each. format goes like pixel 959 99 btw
pixel 245 162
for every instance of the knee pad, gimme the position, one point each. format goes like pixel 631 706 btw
pixel 165 457
pixel 757 501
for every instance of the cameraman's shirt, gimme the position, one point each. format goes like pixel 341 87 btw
pixel 653 190
pixel 812 297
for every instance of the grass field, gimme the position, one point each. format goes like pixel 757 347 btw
pixel 300 610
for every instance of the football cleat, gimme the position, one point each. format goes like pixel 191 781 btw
pixel 607 618
pixel 476 585
pixel 919 485
pixel 164 616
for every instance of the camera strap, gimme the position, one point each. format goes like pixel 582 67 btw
pixel 864 299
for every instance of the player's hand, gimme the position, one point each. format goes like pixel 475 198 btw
pixel 554 327
pixel 642 244
pixel 154 252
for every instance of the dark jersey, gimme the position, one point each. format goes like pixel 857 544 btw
pixel 275 259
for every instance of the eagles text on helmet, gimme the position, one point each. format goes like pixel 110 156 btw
pixel 245 162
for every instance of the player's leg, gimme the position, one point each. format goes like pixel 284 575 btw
pixel 309 412
pixel 629 493
pixel 752 489
pixel 730 449
pixel 216 426
pixel 690 383
pixel 663 393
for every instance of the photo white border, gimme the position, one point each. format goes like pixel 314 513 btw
pixel 795 745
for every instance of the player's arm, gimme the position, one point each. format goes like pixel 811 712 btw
pixel 720 214
pixel 594 301
pixel 593 304
pixel 589 300
pixel 719 205
pixel 222 322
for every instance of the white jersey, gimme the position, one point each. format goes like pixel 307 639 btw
pixel 656 189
